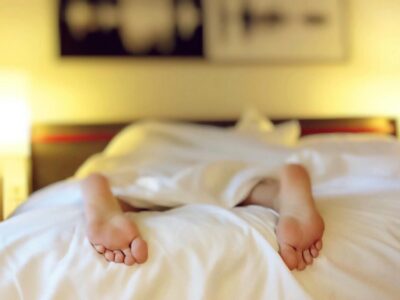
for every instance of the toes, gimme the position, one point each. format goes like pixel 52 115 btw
pixel 314 251
pixel 109 255
pixel 139 250
pixel 318 245
pixel 118 256
pixel 99 248
pixel 129 260
pixel 301 265
pixel 289 256
pixel 308 259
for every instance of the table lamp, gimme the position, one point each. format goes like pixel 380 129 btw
pixel 14 143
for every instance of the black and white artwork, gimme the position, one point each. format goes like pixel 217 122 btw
pixel 218 30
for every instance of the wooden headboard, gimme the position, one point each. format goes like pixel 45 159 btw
pixel 58 150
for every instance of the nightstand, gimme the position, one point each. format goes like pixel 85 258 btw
pixel 15 182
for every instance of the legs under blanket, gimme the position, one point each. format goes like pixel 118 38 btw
pixel 222 182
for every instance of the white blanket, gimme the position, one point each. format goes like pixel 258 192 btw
pixel 166 165
pixel 203 251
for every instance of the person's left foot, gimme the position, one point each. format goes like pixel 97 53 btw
pixel 117 238
pixel 111 232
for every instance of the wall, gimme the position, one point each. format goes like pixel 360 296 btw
pixel 91 90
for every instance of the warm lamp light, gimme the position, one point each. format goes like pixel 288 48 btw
pixel 14 127
pixel 14 142
pixel 14 117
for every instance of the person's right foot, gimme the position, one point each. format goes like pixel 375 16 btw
pixel 299 238
pixel 300 226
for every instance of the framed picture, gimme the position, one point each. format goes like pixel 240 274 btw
pixel 216 30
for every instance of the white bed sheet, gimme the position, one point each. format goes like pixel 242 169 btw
pixel 196 252
pixel 203 251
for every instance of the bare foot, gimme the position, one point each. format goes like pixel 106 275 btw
pixel 117 238
pixel 300 226
pixel 111 231
pixel 299 239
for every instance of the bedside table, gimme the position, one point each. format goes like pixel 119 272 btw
pixel 15 179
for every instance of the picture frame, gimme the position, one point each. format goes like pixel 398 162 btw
pixel 215 30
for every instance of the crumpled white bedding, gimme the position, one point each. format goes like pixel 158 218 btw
pixel 209 250
pixel 166 164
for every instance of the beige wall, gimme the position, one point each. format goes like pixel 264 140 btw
pixel 90 90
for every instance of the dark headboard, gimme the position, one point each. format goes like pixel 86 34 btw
pixel 58 150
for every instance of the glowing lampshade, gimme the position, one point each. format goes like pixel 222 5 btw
pixel 14 116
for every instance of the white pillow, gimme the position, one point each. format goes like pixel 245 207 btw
pixel 286 133
pixel 361 143
pixel 253 123
pixel 340 138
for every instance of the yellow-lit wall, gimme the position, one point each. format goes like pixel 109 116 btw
pixel 90 90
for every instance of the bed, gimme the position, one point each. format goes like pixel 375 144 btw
pixel 203 251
